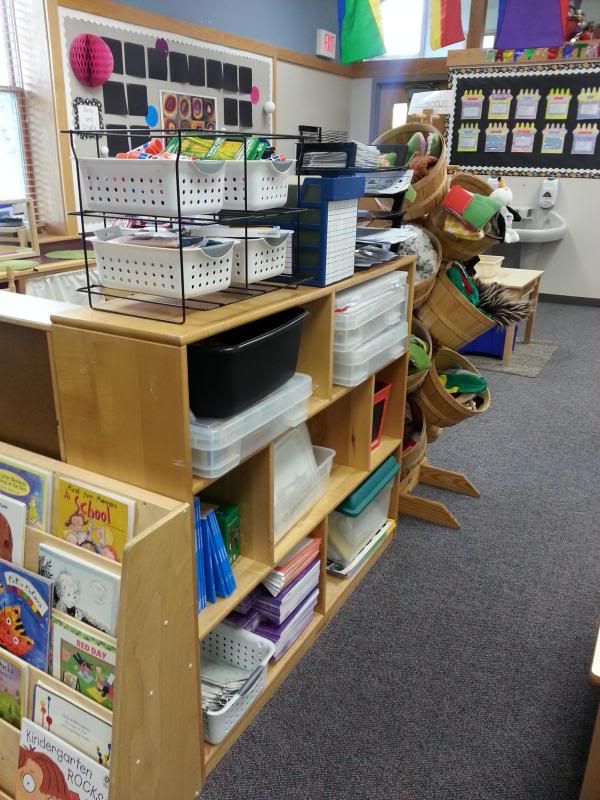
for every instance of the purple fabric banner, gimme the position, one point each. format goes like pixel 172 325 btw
pixel 529 23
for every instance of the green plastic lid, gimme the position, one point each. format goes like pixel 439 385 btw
pixel 360 498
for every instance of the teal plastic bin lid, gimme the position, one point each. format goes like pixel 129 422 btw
pixel 360 498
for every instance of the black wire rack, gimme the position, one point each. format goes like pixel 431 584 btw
pixel 138 302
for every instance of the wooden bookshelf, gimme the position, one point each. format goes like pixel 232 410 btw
pixel 134 390
pixel 162 536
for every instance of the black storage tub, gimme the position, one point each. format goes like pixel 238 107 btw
pixel 232 371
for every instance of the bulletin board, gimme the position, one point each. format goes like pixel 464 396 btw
pixel 532 120
pixel 162 79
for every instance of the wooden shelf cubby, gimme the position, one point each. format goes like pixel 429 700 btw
pixel 122 387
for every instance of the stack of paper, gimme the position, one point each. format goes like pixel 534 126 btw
pixel 248 621
pixel 284 635
pixel 279 608
pixel 299 558
pixel 367 157
pixel 341 571
pixel 214 575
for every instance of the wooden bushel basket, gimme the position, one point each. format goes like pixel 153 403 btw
pixel 442 409
pixel 413 457
pixel 416 380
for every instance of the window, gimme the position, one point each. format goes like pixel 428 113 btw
pixel 399 114
pixel 488 40
pixel 403 27
pixel 14 183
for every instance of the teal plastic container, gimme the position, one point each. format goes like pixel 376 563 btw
pixel 362 514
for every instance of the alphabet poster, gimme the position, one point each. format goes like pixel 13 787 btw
pixel 526 120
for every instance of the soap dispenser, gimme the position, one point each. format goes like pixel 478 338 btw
pixel 548 193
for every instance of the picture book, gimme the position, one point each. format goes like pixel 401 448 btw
pixel 81 589
pixel 50 768
pixel 25 608
pixel 75 725
pixel 13 514
pixel 14 677
pixel 31 485
pixel 84 660
pixel 98 521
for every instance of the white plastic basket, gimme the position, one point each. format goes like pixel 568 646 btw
pixel 157 270
pixel 149 186
pixel 266 258
pixel 234 646
pixel 267 184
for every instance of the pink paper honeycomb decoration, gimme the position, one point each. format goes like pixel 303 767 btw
pixel 91 59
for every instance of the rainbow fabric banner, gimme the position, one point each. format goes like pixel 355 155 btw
pixel 361 30
pixel 446 23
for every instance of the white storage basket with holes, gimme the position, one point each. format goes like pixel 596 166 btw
pixel 266 258
pixel 157 270
pixel 149 186
pixel 229 646
pixel 267 184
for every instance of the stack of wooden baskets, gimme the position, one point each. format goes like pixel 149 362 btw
pixel 445 319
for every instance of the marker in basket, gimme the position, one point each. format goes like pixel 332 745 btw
pixel 152 148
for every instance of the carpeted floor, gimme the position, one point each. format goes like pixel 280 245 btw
pixel 458 670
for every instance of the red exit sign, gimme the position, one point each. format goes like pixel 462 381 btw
pixel 326 43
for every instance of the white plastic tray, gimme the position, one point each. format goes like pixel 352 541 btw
pixel 157 270
pixel 348 535
pixel 219 445
pixel 267 184
pixel 244 649
pixel 355 366
pixel 372 319
pixel 149 186
pixel 294 499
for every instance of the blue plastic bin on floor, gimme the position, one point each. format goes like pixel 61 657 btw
pixel 490 343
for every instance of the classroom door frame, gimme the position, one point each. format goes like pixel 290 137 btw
pixel 408 87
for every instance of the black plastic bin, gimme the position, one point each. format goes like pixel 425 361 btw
pixel 231 371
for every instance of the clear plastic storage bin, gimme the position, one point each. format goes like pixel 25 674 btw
pixel 267 184
pixel 157 270
pixel 353 367
pixel 366 310
pixel 228 645
pixel 149 186
pixel 218 445
pixel 362 514
pixel 301 478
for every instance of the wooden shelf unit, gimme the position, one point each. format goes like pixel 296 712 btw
pixel 157 652
pixel 130 386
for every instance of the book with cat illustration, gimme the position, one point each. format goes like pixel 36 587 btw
pixel 25 609
pixel 31 485
pixel 95 520
pixel 13 515
pixel 83 659
pixel 50 768
pixel 82 590
pixel 72 722
pixel 14 678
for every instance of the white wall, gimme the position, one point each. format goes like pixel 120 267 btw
pixel 360 111
pixel 572 266
pixel 309 97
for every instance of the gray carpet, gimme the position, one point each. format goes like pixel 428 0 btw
pixel 458 670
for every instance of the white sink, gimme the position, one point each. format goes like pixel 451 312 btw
pixel 542 226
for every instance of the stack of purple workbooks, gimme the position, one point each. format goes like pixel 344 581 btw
pixel 288 614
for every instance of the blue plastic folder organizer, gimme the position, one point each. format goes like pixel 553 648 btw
pixel 327 232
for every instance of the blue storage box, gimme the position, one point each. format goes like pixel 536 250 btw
pixel 326 234
pixel 490 343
